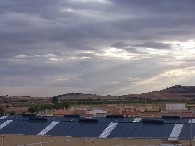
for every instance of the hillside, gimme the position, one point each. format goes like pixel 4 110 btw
pixel 180 89
pixel 174 92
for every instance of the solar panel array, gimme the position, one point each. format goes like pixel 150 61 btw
pixel 168 128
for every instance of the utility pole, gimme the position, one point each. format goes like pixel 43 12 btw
pixel 191 127
pixel 191 132
pixel 2 140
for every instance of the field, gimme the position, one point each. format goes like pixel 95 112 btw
pixel 34 140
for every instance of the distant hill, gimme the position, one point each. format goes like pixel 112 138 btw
pixel 180 89
pixel 174 92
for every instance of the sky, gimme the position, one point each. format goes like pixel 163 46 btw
pixel 104 47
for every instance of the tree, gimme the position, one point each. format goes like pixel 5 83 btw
pixel 54 100
pixel 11 113
pixel 7 106
pixel 66 105
pixel 33 109
pixel 2 110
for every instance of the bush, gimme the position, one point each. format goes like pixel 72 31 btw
pixel 2 110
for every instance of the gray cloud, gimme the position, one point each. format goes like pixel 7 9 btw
pixel 153 45
pixel 81 36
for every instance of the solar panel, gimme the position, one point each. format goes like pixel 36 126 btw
pixel 48 128
pixel 108 130
pixel 103 127
pixel 175 132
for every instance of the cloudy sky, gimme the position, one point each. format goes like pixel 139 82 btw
pixel 51 47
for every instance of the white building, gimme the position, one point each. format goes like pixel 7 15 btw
pixel 98 113
pixel 175 106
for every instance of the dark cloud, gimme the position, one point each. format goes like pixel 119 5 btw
pixel 120 45
pixel 79 35
pixel 153 45
pixel 153 7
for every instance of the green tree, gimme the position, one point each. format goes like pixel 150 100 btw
pixel 54 100
pixel 66 105
pixel 33 109
pixel 2 110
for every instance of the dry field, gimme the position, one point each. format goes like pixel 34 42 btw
pixel 34 140
pixel 17 110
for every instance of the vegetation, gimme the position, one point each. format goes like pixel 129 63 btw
pixel 75 94
pixel 41 107
pixel 35 105
pixel 11 113
pixel 2 110
pixel 120 100
pixel 54 100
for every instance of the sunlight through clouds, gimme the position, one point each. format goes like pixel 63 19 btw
pixel 189 44
pixel 180 72
pixel 182 50
pixel 117 53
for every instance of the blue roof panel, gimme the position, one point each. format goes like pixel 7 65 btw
pixel 125 127
pixel 78 129
pixel 141 130
pixel 23 127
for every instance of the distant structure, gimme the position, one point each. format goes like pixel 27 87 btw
pixel 98 113
pixel 175 106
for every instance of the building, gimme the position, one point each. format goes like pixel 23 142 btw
pixel 98 113
pixel 175 106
